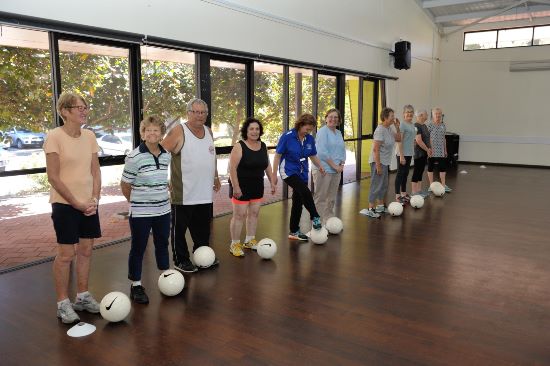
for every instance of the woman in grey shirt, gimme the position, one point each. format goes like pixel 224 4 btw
pixel 383 145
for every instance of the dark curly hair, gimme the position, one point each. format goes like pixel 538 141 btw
pixel 244 128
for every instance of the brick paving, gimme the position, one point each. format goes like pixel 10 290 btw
pixel 26 230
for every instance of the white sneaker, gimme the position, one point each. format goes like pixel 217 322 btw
pixel 87 303
pixel 66 313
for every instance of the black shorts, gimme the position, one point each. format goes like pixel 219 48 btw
pixel 252 189
pixel 440 163
pixel 70 224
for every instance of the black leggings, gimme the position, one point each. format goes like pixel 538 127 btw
pixel 419 166
pixel 402 175
pixel 301 195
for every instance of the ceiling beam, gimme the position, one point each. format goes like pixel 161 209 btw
pixel 490 14
pixel 499 12
pixel 428 4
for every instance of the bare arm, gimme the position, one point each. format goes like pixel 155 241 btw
pixel 53 170
pixel 173 142
pixel 376 152
pixel 217 184
pixel 96 174
pixel 234 160
pixel 269 173
pixel 421 143
pixel 276 161
pixel 126 189
pixel 315 160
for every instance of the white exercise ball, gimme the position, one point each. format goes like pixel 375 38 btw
pixel 171 282
pixel 204 256
pixel 115 306
pixel 266 248
pixel 334 225
pixel 437 188
pixel 417 201
pixel 319 236
pixel 395 208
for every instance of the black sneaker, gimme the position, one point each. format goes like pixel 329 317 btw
pixel 137 294
pixel 216 262
pixel 186 267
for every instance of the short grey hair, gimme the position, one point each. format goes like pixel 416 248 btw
pixel 435 109
pixel 418 112
pixel 408 108
pixel 194 101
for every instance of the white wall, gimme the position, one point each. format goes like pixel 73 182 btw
pixel 361 32
pixel 502 116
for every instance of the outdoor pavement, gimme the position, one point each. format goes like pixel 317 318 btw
pixel 26 230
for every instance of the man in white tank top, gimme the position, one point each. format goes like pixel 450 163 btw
pixel 193 178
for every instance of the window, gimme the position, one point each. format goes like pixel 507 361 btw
pixel 228 107
pixel 268 100
pixel 300 93
pixel 326 96
pixel 369 118
pixel 517 37
pixel 506 38
pixel 541 36
pixel 168 82
pixel 101 75
pixel 480 40
pixel 350 125
pixel 25 97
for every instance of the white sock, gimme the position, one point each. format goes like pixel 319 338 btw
pixel 248 238
pixel 59 303
pixel 81 295
pixel 234 241
pixel 136 283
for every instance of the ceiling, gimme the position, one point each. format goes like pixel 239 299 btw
pixel 461 13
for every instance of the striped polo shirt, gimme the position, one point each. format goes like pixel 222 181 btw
pixel 148 175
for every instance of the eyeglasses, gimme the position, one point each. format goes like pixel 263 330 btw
pixel 81 108
pixel 201 113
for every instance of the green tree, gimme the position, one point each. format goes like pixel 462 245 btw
pixel 25 88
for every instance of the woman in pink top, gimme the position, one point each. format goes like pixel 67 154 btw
pixel 73 172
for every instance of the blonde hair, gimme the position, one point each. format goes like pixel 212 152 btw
pixel 66 100
pixel 151 121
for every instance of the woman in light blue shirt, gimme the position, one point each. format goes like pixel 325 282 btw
pixel 332 153
pixel 405 150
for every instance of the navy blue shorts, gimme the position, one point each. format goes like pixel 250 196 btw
pixel 70 224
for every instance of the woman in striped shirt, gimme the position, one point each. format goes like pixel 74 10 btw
pixel 144 183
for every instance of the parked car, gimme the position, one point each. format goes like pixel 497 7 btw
pixel 4 140
pixel 3 160
pixel 22 137
pixel 115 144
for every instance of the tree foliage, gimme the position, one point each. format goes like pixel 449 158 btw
pixel 26 92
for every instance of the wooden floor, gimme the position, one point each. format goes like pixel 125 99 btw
pixel 463 281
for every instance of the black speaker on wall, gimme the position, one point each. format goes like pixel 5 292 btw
pixel 402 55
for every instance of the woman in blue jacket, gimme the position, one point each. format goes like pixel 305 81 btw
pixel 291 160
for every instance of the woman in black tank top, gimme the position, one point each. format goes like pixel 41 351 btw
pixel 248 163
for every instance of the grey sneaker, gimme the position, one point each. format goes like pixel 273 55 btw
pixel 381 209
pixel 87 303
pixel 66 313
pixel 373 214
pixel 448 189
